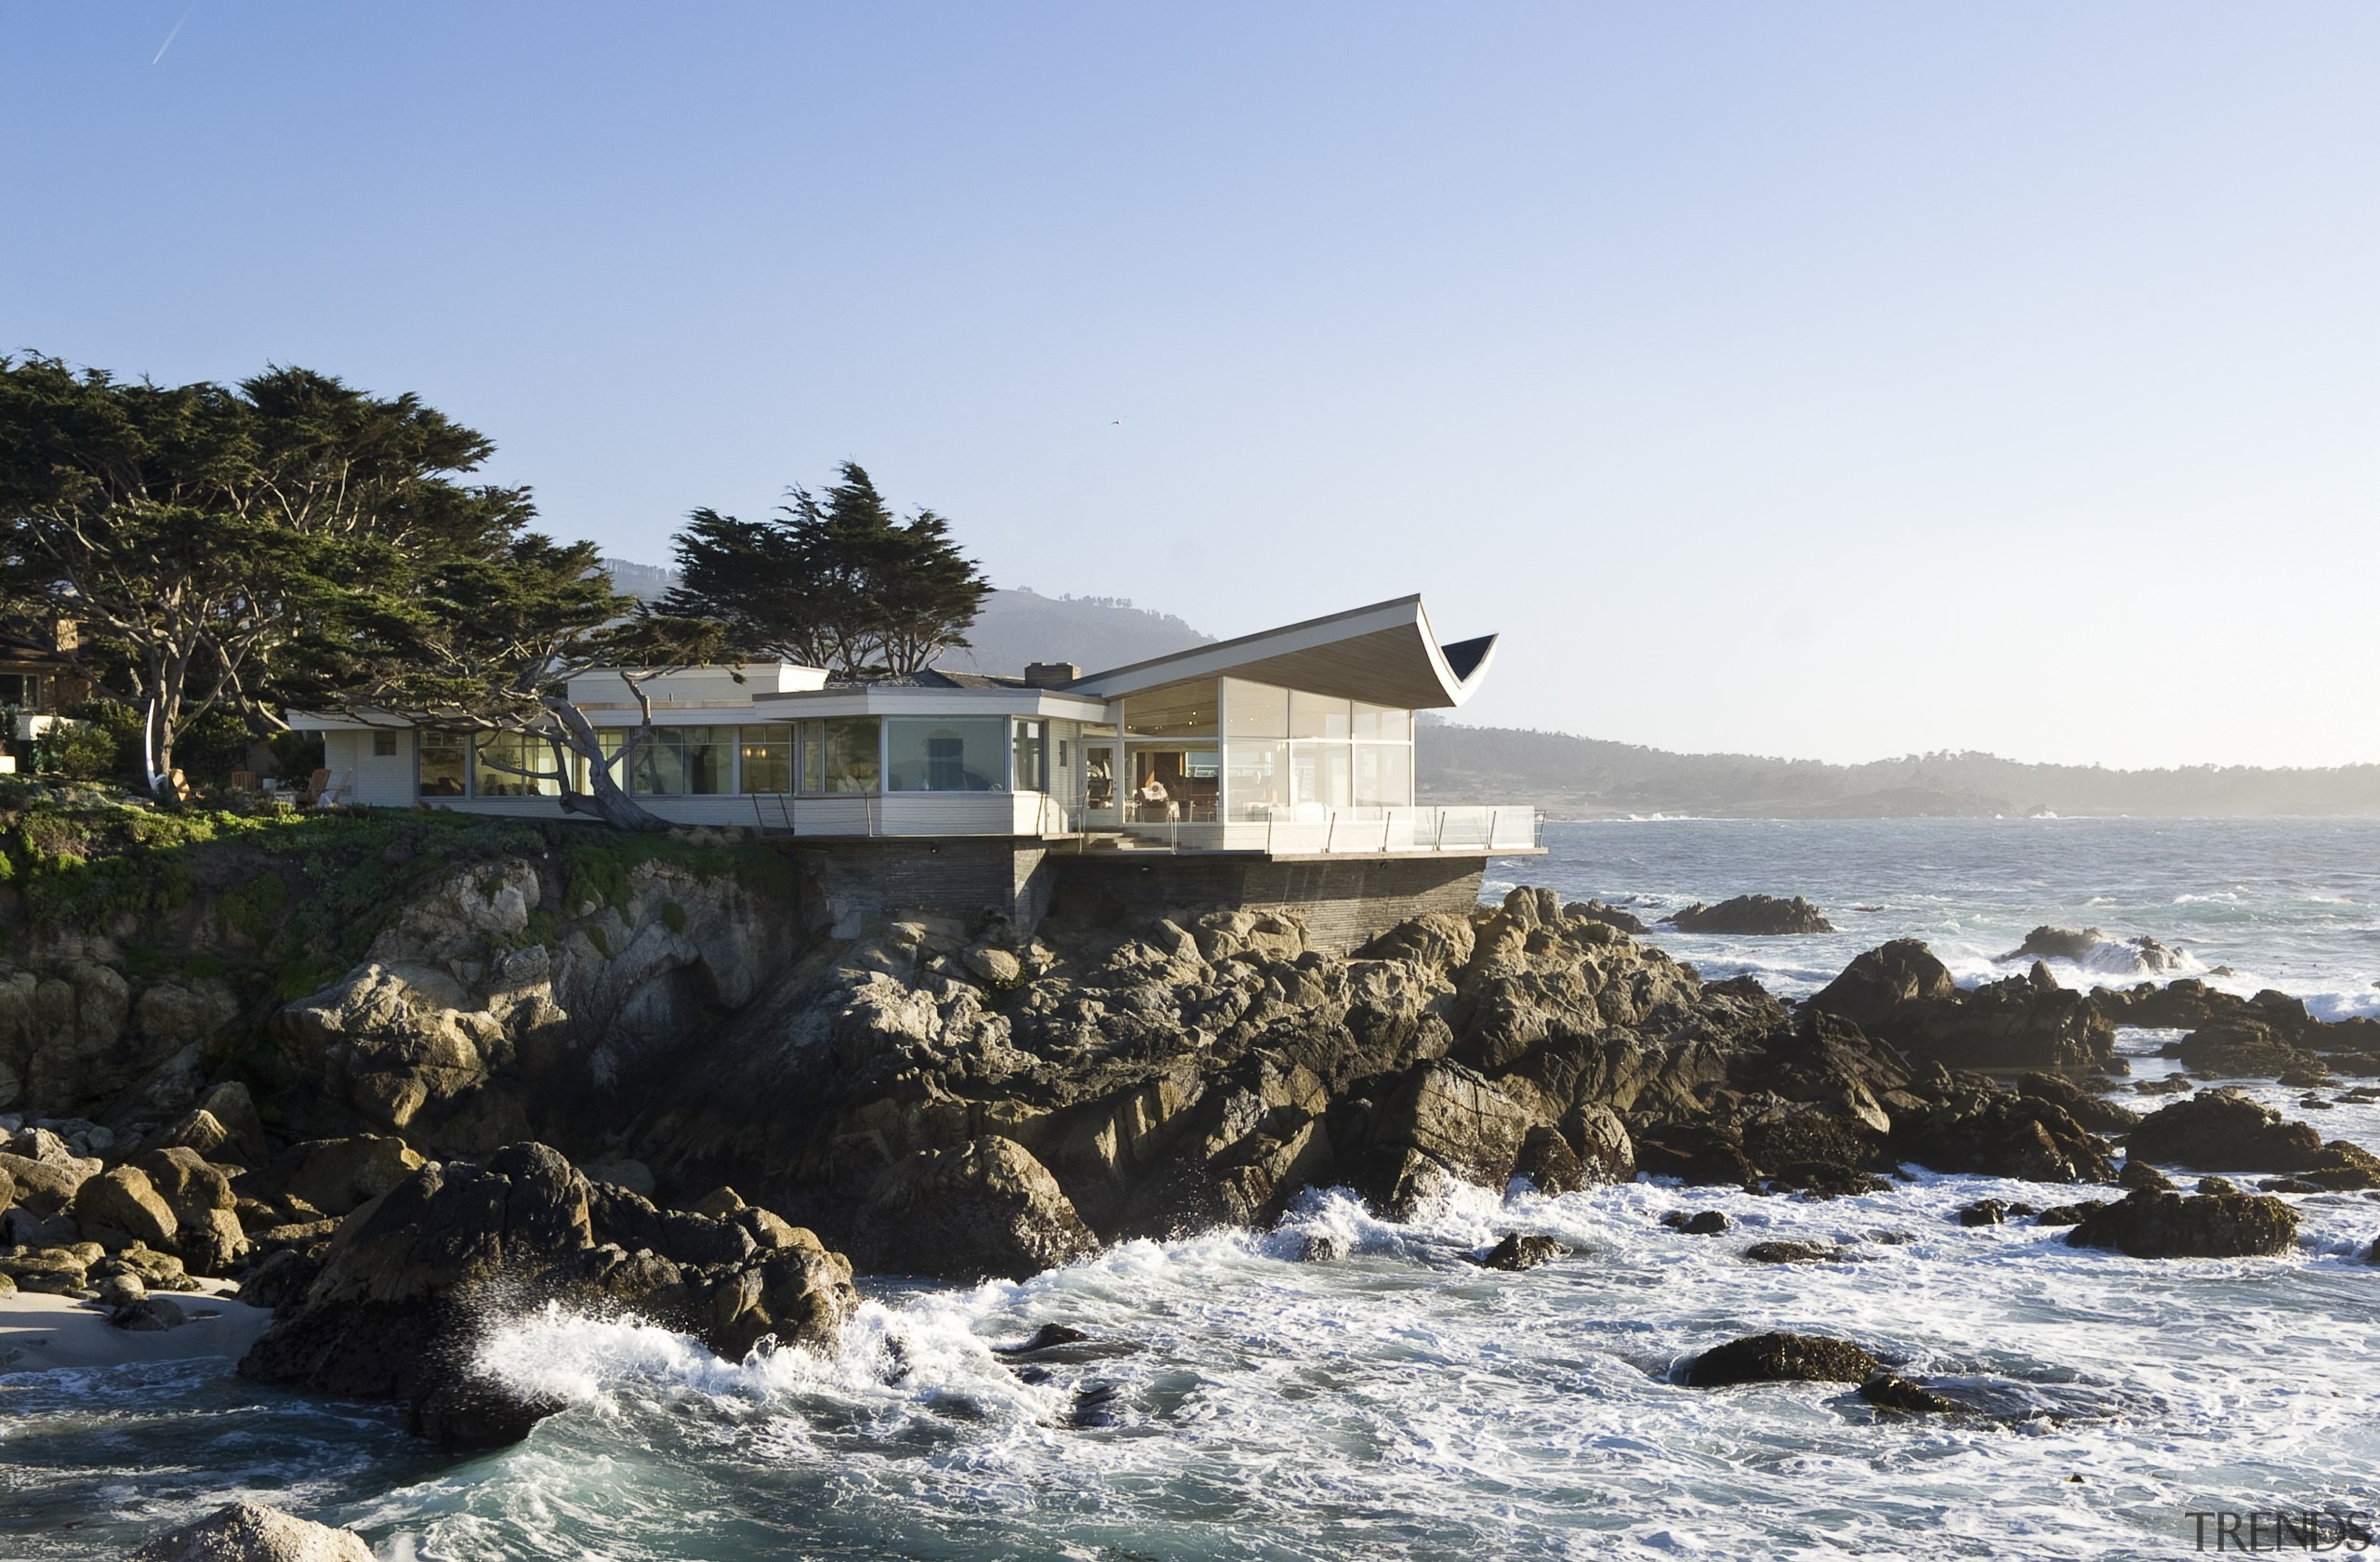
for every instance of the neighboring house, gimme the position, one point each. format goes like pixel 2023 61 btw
pixel 1291 746
pixel 37 678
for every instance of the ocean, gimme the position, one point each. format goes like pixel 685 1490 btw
pixel 1236 1403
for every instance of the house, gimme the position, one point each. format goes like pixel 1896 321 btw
pixel 1271 770
pixel 38 683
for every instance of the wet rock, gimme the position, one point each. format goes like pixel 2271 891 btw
pixel 1517 1252
pixel 1047 1337
pixel 2290 1185
pixel 1549 1164
pixel 1753 915
pixel 1444 1124
pixel 1696 1153
pixel 1609 915
pixel 1791 1252
pixel 1990 1132
pixel 1890 1391
pixel 1778 1358
pixel 2141 1177
pixel 2054 943
pixel 2223 1131
pixel 2092 1111
pixel 1606 1154
pixel 1703 1223
pixel 1326 1247
pixel 2212 1225
pixel 253 1532
pixel 150 1315
pixel 986 1208
pixel 411 1286
pixel 1984 1211
pixel 2070 1214
pixel 2216 1187
pixel 1900 994
pixel 2243 1049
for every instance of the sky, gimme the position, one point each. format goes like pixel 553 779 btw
pixel 1836 381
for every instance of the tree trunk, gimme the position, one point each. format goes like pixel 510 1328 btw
pixel 604 797
pixel 157 747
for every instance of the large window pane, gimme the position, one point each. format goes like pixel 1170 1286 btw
pixel 1315 716
pixel 847 754
pixel 443 760
pixel 1318 773
pixel 503 757
pixel 1383 775
pixel 813 735
pixel 677 762
pixel 1174 784
pixel 1256 777
pixel 1255 710
pixel 1028 757
pixel 1384 722
pixel 946 754
pixel 765 759
pixel 1176 711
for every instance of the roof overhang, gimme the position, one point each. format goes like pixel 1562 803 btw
pixel 1383 654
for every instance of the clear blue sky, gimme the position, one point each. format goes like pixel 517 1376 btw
pixel 1824 381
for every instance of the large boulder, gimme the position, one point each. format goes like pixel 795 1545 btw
pixel 207 1225
pixel 333 1177
pixel 2223 1131
pixel 1755 915
pixel 986 1207
pixel 253 1532
pixel 1900 993
pixel 413 1283
pixel 2145 1225
pixel 1442 1125
pixel 2242 1049
pixel 1974 1128
pixel 1778 1358
pixel 122 1207
pixel 45 1187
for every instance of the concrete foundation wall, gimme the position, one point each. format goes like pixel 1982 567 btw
pixel 852 883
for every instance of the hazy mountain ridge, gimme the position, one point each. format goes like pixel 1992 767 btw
pixel 1017 625
pixel 1565 775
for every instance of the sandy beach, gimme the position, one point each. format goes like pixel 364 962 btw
pixel 39 1333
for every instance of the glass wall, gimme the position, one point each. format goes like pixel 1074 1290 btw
pixel 1172 768
pixel 946 754
pixel 764 759
pixel 1287 752
pixel 1028 763
pixel 503 757
pixel 445 764
pixel 682 761
pixel 848 759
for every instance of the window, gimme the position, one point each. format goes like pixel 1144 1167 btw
pixel 847 754
pixel 1318 716
pixel 1383 723
pixel 1255 710
pixel 384 745
pixel 502 760
pixel 1383 775
pixel 678 762
pixel 946 754
pixel 445 763
pixel 1176 711
pixel 765 756
pixel 1024 771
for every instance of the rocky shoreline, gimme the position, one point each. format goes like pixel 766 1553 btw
pixel 661 1097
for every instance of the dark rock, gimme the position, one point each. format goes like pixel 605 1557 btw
pixel 2092 1111
pixel 1323 1248
pixel 2172 1084
pixel 1444 1124
pixel 1612 917
pixel 2001 1135
pixel 332 1177
pixel 2223 1131
pixel 1549 1164
pixel 1780 1358
pixel 1703 1223
pixel 1900 994
pixel 2168 1225
pixel 1984 1211
pixel 1517 1252
pixel 1755 915
pixel 149 1315
pixel 412 1284
pixel 1046 1337
pixel 122 1205
pixel 2070 1214
pixel 2290 1185
pixel 2052 943
pixel 1698 1152
pixel 2216 1187
pixel 2141 1177
pixel 2343 1167
pixel 2243 1049
pixel 1791 1252
pixel 1889 1390
pixel 986 1208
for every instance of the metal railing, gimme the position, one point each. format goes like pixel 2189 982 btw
pixel 1316 831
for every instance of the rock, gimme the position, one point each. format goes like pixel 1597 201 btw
pixel 2290 1185
pixel 120 1290
pixel 2001 1135
pixel 411 1285
pixel 335 1176
pixel 1442 1125
pixel 21 1227
pixel 1549 1163
pixel 1696 1153
pixel 718 1203
pixel 47 1271
pixel 986 1208
pixel 123 1206
pixel 1889 1390
pixel 207 1231
pixel 8 1285
pixel 1780 1358
pixel 1791 1252
pixel 2139 1177
pixel 1703 1223
pixel 1606 1154
pixel 44 1187
pixel 2223 1131
pixel 150 1315
pixel 2070 1214
pixel 633 1176
pixel 995 967
pixel 1517 1252
pixel 154 1270
pixel 2094 1112
pixel 2051 943
pixel 1984 1211
pixel 1326 1247
pixel 2343 1167
pixel 2244 1049
pixel 1900 994
pixel 251 1532
pixel 1753 915
pixel 1047 1337
pixel 2212 1225
pixel 1610 916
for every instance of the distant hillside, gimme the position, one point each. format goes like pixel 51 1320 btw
pixel 1582 776
pixel 1016 627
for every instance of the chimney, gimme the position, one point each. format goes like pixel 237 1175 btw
pixel 1051 675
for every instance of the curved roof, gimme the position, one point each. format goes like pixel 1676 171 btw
pixel 1383 655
